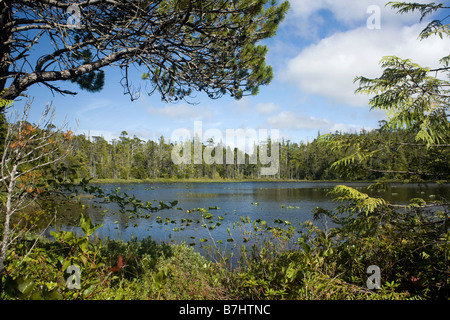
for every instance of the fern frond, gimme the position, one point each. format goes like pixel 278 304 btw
pixel 362 201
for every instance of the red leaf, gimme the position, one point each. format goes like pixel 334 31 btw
pixel 120 262
pixel 119 265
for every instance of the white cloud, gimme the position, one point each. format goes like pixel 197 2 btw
pixel 342 127
pixel 329 67
pixel 241 106
pixel 267 107
pixel 181 112
pixel 349 12
pixel 290 120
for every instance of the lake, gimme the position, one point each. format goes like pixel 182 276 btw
pixel 205 211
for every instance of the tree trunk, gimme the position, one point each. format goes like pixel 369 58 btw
pixel 5 57
pixel 6 226
pixel 5 43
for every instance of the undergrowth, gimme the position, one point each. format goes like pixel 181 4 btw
pixel 283 262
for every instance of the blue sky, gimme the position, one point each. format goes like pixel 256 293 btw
pixel 319 49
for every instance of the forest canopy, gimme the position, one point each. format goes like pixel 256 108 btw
pixel 134 158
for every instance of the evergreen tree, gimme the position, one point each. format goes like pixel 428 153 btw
pixel 209 45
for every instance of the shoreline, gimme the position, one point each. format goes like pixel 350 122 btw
pixel 168 180
pixel 163 180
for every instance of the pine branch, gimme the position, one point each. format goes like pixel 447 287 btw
pixel 424 9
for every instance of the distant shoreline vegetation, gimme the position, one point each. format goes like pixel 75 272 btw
pixel 134 160
pixel 208 180
pixel 203 180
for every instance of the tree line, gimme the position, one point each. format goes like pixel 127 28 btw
pixel 133 158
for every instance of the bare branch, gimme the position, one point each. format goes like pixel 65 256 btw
pixel 28 149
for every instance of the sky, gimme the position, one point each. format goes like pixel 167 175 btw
pixel 319 49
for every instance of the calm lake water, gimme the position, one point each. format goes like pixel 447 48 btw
pixel 270 201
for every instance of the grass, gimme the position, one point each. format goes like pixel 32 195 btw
pixel 179 274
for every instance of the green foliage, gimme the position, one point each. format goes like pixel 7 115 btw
pixel 386 153
pixel 415 97
pixel 275 262
pixel 408 242
pixel 140 256
pixel 161 271
pixel 383 150
pixel 277 265
pixel 36 269
pixel 3 122
pixel 412 97
pixel 92 81
pixel 4 103
pixel 359 202
pixel 39 272
pixel 184 46
pixel 435 27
